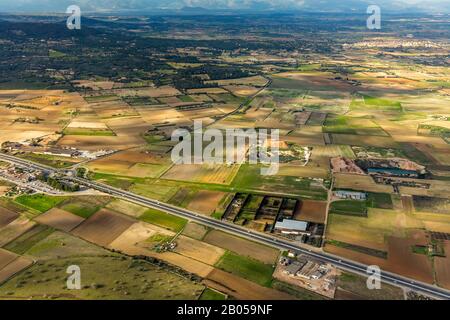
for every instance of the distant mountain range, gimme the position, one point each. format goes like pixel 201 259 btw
pixel 204 6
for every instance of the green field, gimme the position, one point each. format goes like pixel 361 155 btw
pixel 88 132
pixel 164 220
pixel 101 278
pixel 296 291
pixel 83 207
pixel 358 285
pixel 56 54
pixel 95 99
pixel 39 202
pixel 186 98
pixel 210 295
pixel 249 180
pixel 23 243
pixel 52 161
pixel 246 268
pixel 379 200
pixel 349 207
pixel 382 104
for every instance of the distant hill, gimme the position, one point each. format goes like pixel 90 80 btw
pixel 208 6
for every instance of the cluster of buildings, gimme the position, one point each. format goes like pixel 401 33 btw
pixel 65 152
pixel 303 268
pixel 350 195
pixel 309 274
pixel 292 227
pixel 26 179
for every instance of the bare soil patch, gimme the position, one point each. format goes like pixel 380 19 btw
pixel 242 246
pixel 7 216
pixel 206 202
pixel 199 250
pixel 311 211
pixel 60 219
pixel 242 289
pixel 13 268
pixel 103 227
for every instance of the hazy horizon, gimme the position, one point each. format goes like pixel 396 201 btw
pixel 401 6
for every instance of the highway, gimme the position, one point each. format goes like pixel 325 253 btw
pixel 272 241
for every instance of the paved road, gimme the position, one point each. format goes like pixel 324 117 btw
pixel 240 231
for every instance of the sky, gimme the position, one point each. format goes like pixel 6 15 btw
pixel 433 6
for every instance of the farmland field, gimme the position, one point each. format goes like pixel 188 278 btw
pixel 242 247
pixel 60 219
pixel 247 268
pixel 103 227
pixel 39 202
pixel 339 100
pixel 163 219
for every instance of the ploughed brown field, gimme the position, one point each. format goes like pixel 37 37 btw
pixel 6 257
pixel 242 246
pixel 242 289
pixel 199 250
pixel 206 201
pixel 60 219
pixel 7 216
pixel 401 258
pixel 311 211
pixel 11 264
pixel 103 227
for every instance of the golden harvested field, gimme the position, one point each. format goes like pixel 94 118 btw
pixel 371 232
pixel 130 240
pixel 103 227
pixel 128 208
pixel 364 140
pixel 60 219
pixel 305 138
pixel 95 143
pixel 206 201
pixel 195 231
pixel 206 173
pixel 87 125
pixel 7 216
pixel 320 81
pixel 199 250
pixel 387 230
pixel 242 246
pixel 94 85
pixel 360 182
pixel 255 81
pixel 130 169
pixel 242 289
pixel 207 91
pixel 22 136
pixel 3 190
pixel 164 91
pixel 302 171
pixel 438 188
pixel 242 90
pixel 186 263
